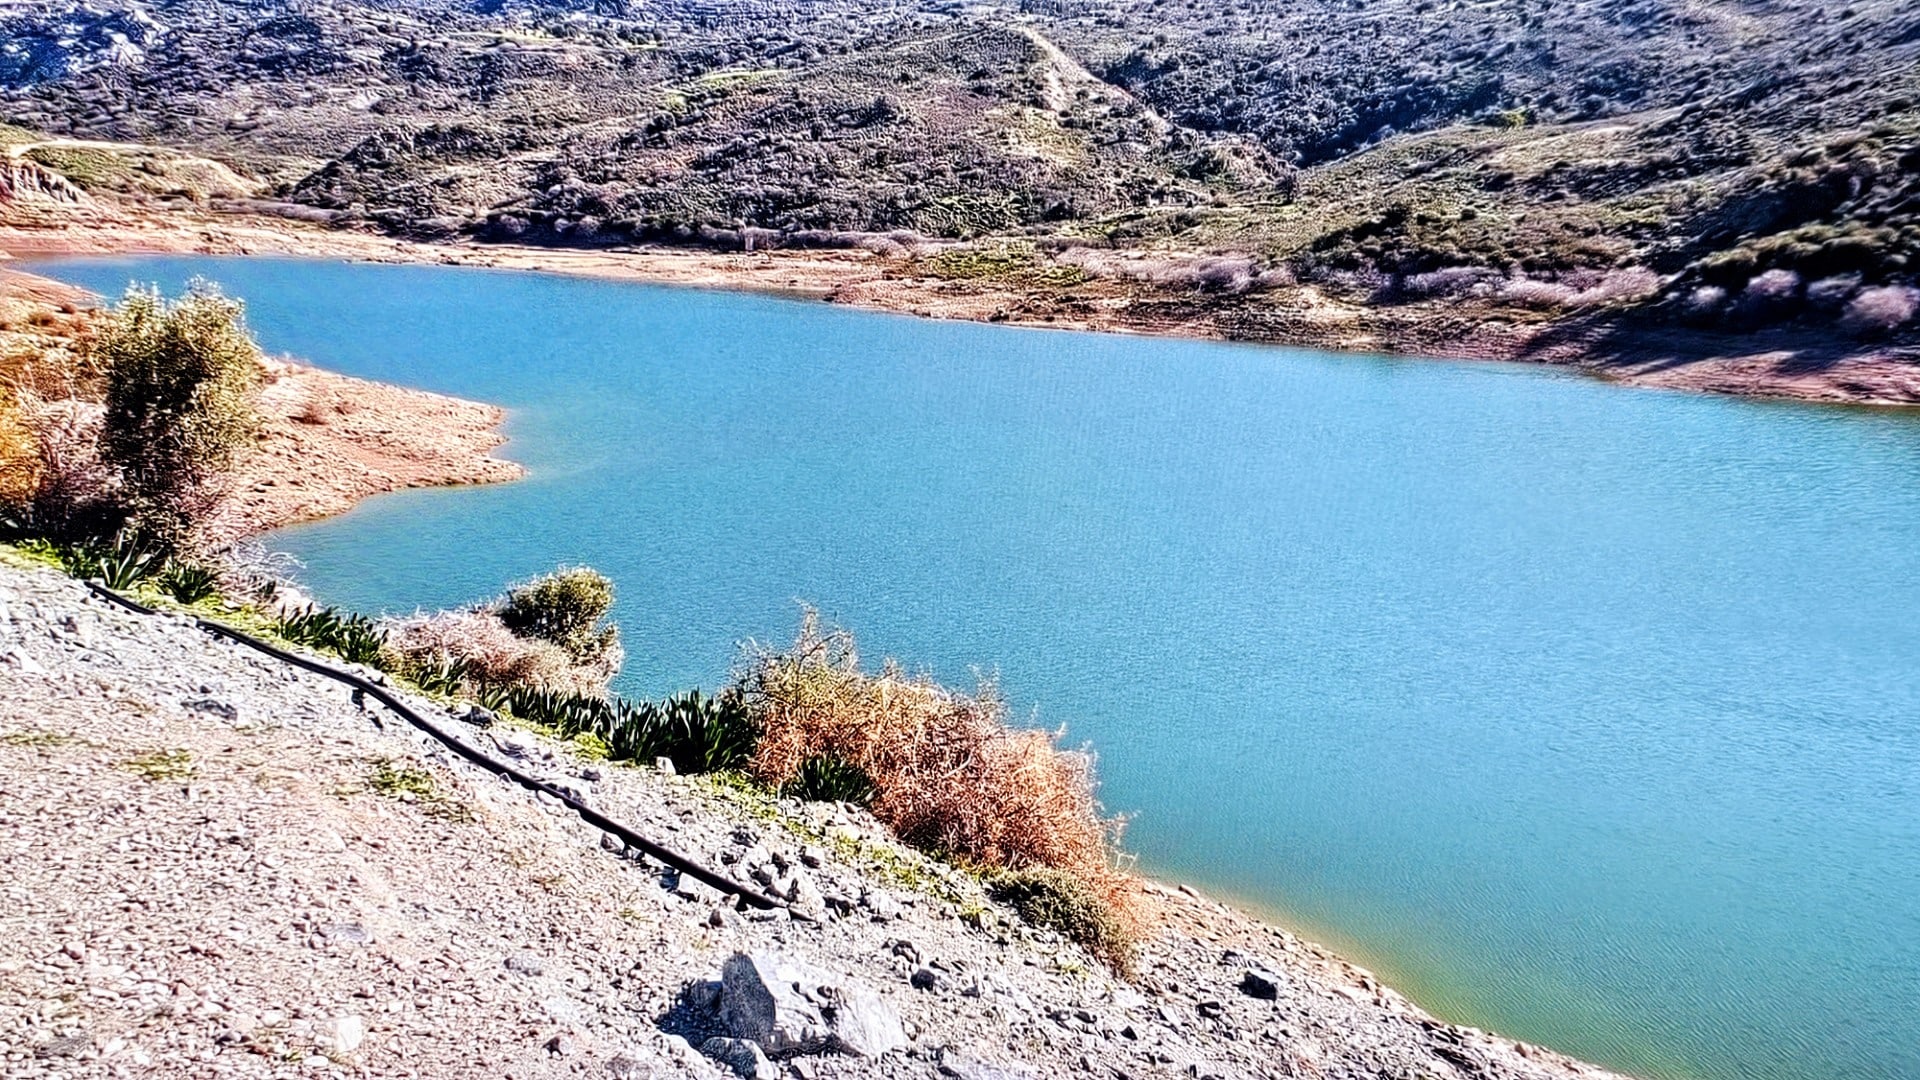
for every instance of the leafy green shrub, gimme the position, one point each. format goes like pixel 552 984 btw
pixel 354 638
pixel 565 608
pixel 189 583
pixel 828 779
pixel 1061 901
pixel 181 382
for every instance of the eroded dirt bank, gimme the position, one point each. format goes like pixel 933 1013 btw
pixel 1785 364
pixel 326 442
pixel 218 865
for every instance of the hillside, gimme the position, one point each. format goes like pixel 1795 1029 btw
pixel 1618 180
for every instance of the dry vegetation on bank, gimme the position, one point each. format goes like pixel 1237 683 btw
pixel 133 494
pixel 947 773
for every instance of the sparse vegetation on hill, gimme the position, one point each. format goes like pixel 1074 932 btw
pixel 1619 163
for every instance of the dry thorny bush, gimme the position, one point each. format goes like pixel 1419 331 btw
pixel 493 655
pixel 949 775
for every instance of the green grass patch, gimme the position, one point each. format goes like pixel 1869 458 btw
pixel 38 740
pixel 84 165
pixel 161 766
pixel 1007 263
pixel 417 786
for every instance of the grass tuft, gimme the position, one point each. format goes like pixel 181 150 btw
pixel 163 765
pixel 416 786
pixel 1076 908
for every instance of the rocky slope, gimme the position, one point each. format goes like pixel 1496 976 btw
pixel 1639 179
pixel 218 865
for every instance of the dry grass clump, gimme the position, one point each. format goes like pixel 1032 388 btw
pixel 1581 289
pixel 549 633
pixel 948 775
pixel 487 655
pixel 1213 273
pixel 1881 311
pixel 19 451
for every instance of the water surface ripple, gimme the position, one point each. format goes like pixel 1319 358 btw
pixel 1586 714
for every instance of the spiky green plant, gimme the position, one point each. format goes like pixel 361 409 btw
pixel 829 779
pixel 445 676
pixel 119 562
pixel 189 583
pixel 354 638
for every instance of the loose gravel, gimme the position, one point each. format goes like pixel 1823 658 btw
pixel 216 865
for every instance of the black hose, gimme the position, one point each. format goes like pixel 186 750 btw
pixel 383 696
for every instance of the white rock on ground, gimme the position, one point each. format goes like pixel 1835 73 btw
pixel 215 865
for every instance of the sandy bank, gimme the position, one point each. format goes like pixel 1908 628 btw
pixel 330 440
pixel 327 440
pixel 1786 364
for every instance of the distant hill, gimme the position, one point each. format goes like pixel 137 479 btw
pixel 1728 166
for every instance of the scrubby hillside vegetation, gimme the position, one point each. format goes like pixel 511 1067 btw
pixel 1709 166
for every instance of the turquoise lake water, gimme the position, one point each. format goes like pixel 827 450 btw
pixel 1587 714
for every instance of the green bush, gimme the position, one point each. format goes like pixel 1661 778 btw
pixel 565 608
pixel 1062 901
pixel 181 382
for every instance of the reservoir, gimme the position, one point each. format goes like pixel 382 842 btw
pixel 1590 715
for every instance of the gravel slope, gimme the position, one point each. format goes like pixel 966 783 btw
pixel 218 866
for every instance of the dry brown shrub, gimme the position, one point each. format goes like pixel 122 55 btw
pixel 1217 273
pixel 949 775
pixel 314 412
pixel 19 452
pixel 492 655
pixel 71 491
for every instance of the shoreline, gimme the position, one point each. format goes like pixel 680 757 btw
pixel 394 437
pixel 998 991
pixel 1782 365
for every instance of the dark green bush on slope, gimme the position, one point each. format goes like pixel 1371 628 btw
pixel 566 608
pixel 182 376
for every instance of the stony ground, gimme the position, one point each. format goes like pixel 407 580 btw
pixel 216 865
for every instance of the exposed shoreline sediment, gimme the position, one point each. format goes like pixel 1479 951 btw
pixel 1783 364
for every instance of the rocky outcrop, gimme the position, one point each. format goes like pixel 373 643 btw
pixel 788 1008
pixel 23 181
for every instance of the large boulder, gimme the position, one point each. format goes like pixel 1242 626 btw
pixel 788 1008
